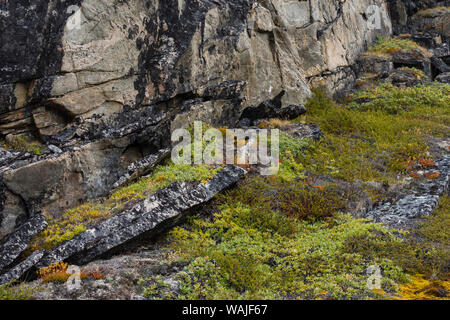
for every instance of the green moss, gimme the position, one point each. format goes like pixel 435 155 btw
pixel 392 45
pixel 436 228
pixel 15 292
pixel 24 144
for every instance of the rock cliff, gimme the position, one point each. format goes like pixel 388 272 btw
pixel 102 83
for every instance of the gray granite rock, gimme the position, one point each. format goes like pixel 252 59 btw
pixel 14 244
pixel 142 167
pixel 18 271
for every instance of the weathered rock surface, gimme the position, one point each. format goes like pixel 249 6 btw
pixel 18 271
pixel 142 167
pixel 13 245
pixel 162 209
pixel 105 93
pixel 419 200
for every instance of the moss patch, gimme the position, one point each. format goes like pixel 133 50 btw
pixel 393 45
pixel 15 292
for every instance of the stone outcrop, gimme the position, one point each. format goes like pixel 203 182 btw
pixel 103 83
pixel 12 246
pixel 146 218
pixel 18 271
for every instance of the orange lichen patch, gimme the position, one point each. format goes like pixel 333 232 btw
pixel 414 175
pixel 421 289
pixel 432 175
pixel 58 272
pixel 427 163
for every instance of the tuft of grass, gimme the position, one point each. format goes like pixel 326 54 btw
pixel 274 124
pixel 393 45
pixel 436 228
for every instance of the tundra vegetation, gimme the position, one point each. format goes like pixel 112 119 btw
pixel 283 237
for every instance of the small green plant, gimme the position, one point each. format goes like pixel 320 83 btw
pixel 11 291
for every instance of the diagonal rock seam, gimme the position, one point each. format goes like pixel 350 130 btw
pixel 165 207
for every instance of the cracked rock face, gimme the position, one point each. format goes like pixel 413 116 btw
pixel 13 245
pixel 103 82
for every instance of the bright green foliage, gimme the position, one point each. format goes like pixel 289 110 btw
pixel 256 249
pixel 238 258
pixel 292 146
pixel 12 292
pixel 374 140
pixel 392 100
pixel 436 228
pixel 162 177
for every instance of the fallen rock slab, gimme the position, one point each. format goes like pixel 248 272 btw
pixel 164 207
pixel 18 271
pixel 13 245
